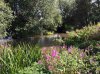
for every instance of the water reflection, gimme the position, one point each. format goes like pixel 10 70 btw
pixel 45 40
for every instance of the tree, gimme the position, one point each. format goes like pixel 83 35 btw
pixel 67 8
pixel 76 12
pixel 95 11
pixel 83 8
pixel 40 15
pixel 5 17
pixel 47 15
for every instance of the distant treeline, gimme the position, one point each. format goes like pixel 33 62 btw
pixel 22 18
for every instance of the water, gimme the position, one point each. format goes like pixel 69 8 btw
pixel 45 40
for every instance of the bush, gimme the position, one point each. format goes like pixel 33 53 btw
pixel 88 32
pixel 30 70
pixel 70 60
pixel 84 37
pixel 62 60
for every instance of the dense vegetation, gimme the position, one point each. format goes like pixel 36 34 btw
pixel 76 53
pixel 85 36
pixel 5 17
pixel 39 16
pixel 29 59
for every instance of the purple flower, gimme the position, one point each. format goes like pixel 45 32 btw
pixel 64 47
pixel 39 62
pixel 50 68
pixel 82 54
pixel 43 49
pixel 47 57
pixel 70 49
pixel 54 53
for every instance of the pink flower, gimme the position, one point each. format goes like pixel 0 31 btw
pixel 50 67
pixel 64 47
pixel 43 49
pixel 54 53
pixel 70 49
pixel 52 47
pixel 39 62
pixel 47 57
pixel 58 57
pixel 82 55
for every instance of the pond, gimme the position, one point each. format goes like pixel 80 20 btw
pixel 45 40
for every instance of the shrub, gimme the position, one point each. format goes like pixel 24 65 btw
pixel 88 32
pixel 62 60
pixel 30 70
pixel 84 37
pixel 70 60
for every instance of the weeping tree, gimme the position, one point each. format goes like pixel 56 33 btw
pixel 5 18
pixel 38 15
pixel 46 17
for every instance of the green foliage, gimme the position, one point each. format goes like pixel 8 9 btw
pixel 62 60
pixel 81 13
pixel 69 60
pixel 5 17
pixel 88 32
pixel 14 59
pixel 26 59
pixel 95 11
pixel 84 37
pixel 35 68
pixel 66 7
pixel 40 16
pixel 49 33
pixel 72 62
pixel 30 70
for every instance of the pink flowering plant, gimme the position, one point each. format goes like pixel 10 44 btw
pixel 62 60
pixel 50 58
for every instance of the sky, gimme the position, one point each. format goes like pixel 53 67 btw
pixel 93 1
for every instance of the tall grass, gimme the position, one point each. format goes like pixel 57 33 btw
pixel 14 59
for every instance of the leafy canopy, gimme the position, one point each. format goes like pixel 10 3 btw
pixel 5 17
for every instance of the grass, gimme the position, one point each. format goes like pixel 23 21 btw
pixel 14 59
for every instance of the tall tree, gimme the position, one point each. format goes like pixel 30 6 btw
pixel 40 15
pixel 83 7
pixel 95 11
pixel 67 8
pixel 5 17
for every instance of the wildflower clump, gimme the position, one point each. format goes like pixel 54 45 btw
pixel 62 59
